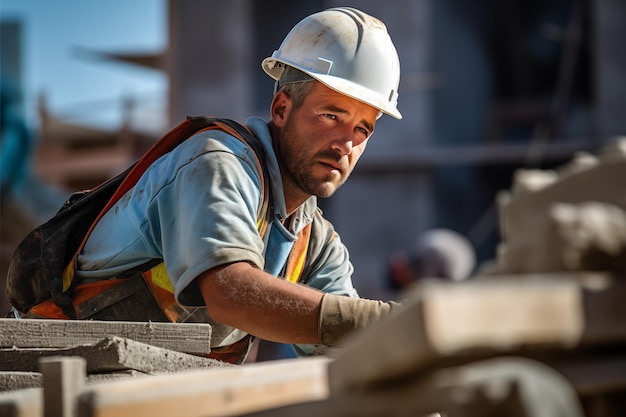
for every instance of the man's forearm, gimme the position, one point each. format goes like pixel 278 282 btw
pixel 242 296
pixel 256 302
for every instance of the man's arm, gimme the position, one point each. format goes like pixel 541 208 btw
pixel 258 303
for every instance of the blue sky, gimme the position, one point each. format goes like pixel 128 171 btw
pixel 76 86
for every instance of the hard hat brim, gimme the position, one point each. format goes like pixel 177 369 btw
pixel 272 66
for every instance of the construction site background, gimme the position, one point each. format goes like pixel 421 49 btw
pixel 510 109
pixel 487 88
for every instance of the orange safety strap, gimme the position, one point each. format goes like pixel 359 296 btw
pixel 297 257
pixel 81 293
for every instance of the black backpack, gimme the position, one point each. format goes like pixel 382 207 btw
pixel 36 269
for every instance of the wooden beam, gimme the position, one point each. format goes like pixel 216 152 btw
pixel 63 379
pixel 492 387
pixel 454 323
pixel 33 333
pixel 217 392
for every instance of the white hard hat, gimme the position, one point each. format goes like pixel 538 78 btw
pixel 346 50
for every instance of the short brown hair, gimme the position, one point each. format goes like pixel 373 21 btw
pixel 298 91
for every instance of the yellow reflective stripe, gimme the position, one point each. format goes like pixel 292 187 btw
pixel 260 226
pixel 297 259
pixel 158 274
pixel 159 277
pixel 299 265
pixel 68 274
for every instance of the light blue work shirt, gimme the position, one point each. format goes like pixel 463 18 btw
pixel 196 208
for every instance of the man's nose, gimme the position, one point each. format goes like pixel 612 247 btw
pixel 343 145
pixel 346 140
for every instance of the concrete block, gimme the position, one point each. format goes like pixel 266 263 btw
pixel 33 333
pixel 110 355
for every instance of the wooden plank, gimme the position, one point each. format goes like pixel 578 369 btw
pixel 22 403
pixel 182 337
pixel 448 323
pixel 63 379
pixel 218 392
pixel 110 355
pixel 494 387
pixel 503 314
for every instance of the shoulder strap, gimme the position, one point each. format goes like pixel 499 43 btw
pixel 180 133
pixel 298 255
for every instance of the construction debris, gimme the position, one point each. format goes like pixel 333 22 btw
pixel 570 219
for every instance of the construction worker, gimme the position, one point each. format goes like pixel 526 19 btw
pixel 196 207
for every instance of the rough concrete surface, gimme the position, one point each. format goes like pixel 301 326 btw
pixel 110 358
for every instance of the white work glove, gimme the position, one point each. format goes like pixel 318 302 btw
pixel 340 315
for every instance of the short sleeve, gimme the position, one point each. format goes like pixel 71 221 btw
pixel 206 216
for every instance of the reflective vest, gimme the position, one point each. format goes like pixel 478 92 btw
pixel 154 274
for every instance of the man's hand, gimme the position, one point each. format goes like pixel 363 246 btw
pixel 341 315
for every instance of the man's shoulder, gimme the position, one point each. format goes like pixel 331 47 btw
pixel 209 145
pixel 215 139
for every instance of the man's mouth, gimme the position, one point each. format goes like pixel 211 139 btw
pixel 333 166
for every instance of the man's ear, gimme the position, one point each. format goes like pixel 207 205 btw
pixel 280 108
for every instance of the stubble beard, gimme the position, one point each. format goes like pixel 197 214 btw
pixel 298 166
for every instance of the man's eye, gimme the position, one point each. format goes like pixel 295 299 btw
pixel 363 131
pixel 330 116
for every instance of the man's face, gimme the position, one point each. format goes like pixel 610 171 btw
pixel 322 141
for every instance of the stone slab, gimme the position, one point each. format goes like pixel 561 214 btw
pixel 36 333
pixel 110 355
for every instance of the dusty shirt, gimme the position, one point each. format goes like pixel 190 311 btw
pixel 196 208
